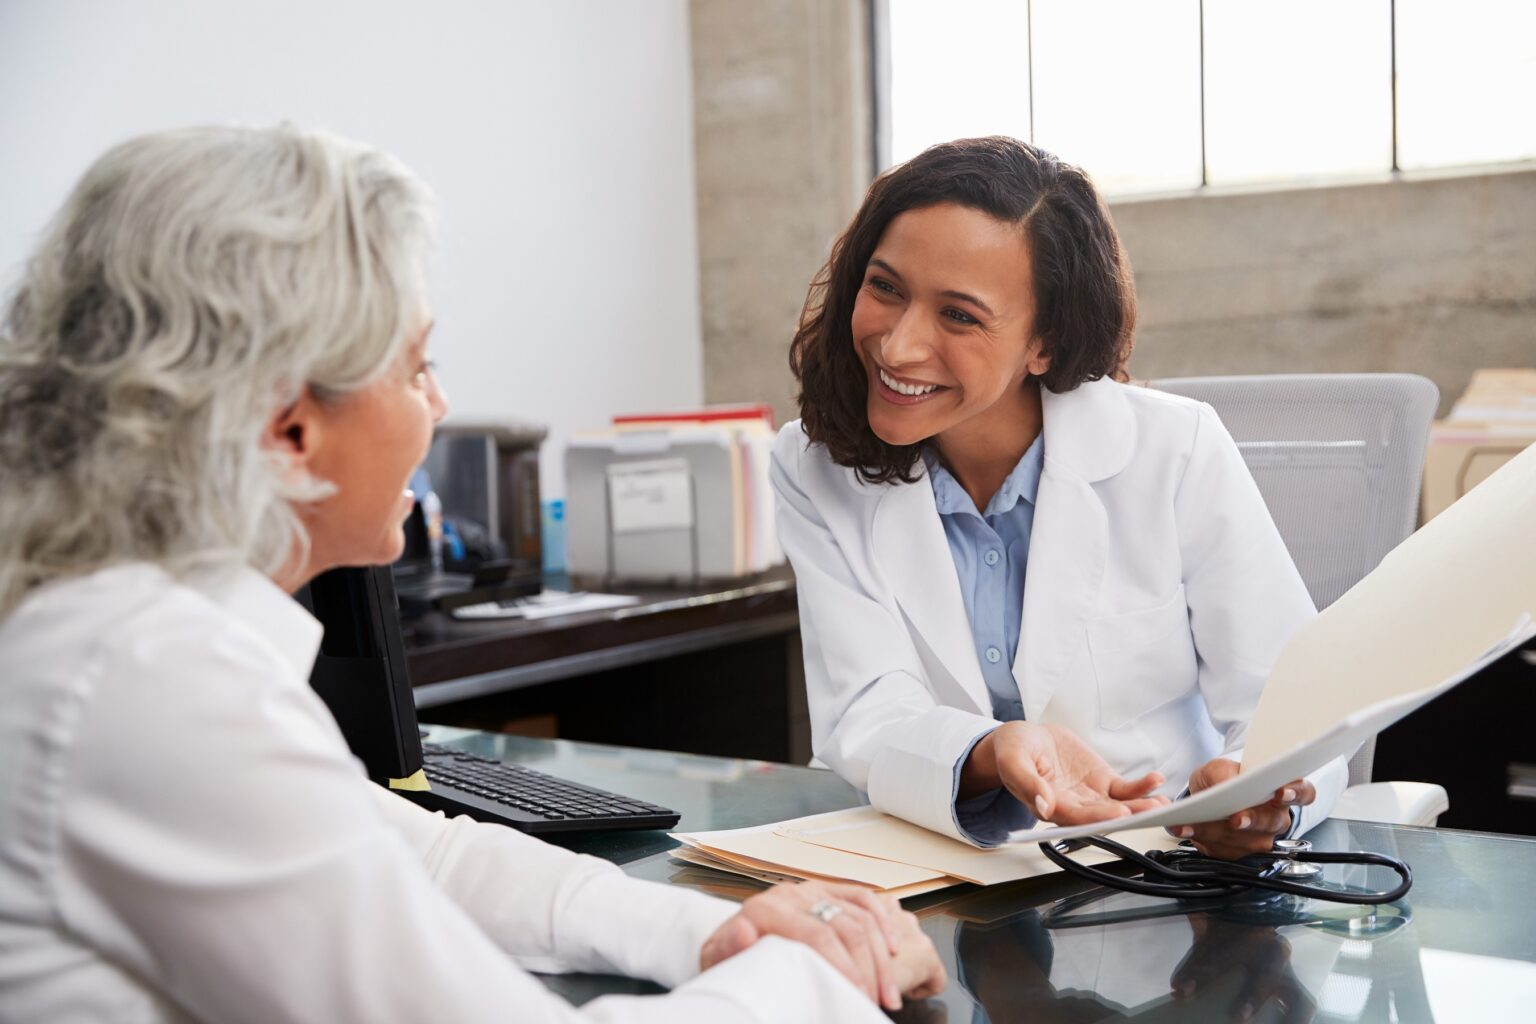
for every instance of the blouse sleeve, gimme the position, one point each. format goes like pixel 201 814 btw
pixel 217 840
pixel 558 911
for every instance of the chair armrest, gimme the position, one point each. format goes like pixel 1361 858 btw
pixel 1396 803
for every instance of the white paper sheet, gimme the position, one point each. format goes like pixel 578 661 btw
pixel 545 605
pixel 1450 599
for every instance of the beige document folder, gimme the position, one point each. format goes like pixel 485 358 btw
pixel 864 846
pixel 864 830
pixel 744 868
pixel 763 849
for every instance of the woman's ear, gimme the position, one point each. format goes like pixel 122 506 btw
pixel 1038 360
pixel 293 436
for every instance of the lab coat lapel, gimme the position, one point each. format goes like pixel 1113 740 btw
pixel 1067 548
pixel 1089 435
pixel 910 546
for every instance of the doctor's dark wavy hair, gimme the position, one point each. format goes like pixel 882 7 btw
pixel 1085 302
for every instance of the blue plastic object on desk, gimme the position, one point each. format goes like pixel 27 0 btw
pixel 552 527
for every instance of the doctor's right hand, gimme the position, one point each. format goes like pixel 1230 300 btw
pixel 1055 774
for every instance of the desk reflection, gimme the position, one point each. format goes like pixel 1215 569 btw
pixel 1143 963
pixel 1006 966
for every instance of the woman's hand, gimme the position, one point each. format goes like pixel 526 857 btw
pixel 1055 774
pixel 1248 831
pixel 868 937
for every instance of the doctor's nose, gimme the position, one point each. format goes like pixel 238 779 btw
pixel 907 342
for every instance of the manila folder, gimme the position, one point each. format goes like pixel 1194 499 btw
pixel 1458 594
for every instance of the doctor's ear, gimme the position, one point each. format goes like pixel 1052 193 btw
pixel 1038 358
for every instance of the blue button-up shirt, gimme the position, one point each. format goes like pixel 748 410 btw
pixel 991 553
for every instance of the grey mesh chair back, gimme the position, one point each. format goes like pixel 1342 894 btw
pixel 1339 458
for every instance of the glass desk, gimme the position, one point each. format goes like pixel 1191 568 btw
pixel 1461 945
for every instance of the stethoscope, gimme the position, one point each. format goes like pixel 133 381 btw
pixel 1291 867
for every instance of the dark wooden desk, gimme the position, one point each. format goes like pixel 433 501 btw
pixel 648 675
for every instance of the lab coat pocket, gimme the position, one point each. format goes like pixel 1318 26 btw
pixel 1141 660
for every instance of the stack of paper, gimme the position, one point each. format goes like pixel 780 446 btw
pixel 862 846
pixel 673 496
pixel 750 430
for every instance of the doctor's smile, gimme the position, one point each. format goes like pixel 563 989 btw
pixel 904 392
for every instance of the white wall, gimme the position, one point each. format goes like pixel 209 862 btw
pixel 557 135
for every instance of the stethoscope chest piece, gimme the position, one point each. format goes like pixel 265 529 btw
pixel 1284 854
pixel 1296 870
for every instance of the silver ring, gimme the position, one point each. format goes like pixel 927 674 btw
pixel 825 910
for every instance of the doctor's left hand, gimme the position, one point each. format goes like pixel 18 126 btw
pixel 1248 831
pixel 1054 773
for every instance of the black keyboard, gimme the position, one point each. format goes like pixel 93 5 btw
pixel 525 799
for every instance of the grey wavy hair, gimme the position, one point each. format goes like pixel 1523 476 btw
pixel 195 282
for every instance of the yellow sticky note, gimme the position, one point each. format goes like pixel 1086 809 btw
pixel 416 782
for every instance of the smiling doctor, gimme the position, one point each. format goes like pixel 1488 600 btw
pixel 1027 590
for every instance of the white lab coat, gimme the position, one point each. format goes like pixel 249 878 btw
pixel 1158 596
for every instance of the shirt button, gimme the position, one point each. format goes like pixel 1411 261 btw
pixel 994 655
pixel 990 557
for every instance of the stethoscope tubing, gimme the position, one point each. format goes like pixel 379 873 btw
pixel 1194 876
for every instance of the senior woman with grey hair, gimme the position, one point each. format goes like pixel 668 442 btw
pixel 214 384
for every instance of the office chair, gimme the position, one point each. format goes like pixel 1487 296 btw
pixel 1339 458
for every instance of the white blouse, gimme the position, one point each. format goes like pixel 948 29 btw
pixel 184 835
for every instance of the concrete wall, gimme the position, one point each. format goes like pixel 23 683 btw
pixel 783 147
pixel 1435 276
pixel 558 137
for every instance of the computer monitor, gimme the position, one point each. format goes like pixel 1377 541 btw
pixel 360 672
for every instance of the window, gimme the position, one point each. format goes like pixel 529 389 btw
pixel 966 72
pixel 1466 82
pixel 1128 106
pixel 1297 89
pixel 1160 95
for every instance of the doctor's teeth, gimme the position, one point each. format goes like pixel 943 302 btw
pixel 905 389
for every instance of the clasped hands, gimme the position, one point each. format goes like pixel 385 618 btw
pixel 866 936
pixel 1051 770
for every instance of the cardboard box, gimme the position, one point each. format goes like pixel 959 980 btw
pixel 1492 422
pixel 1499 396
